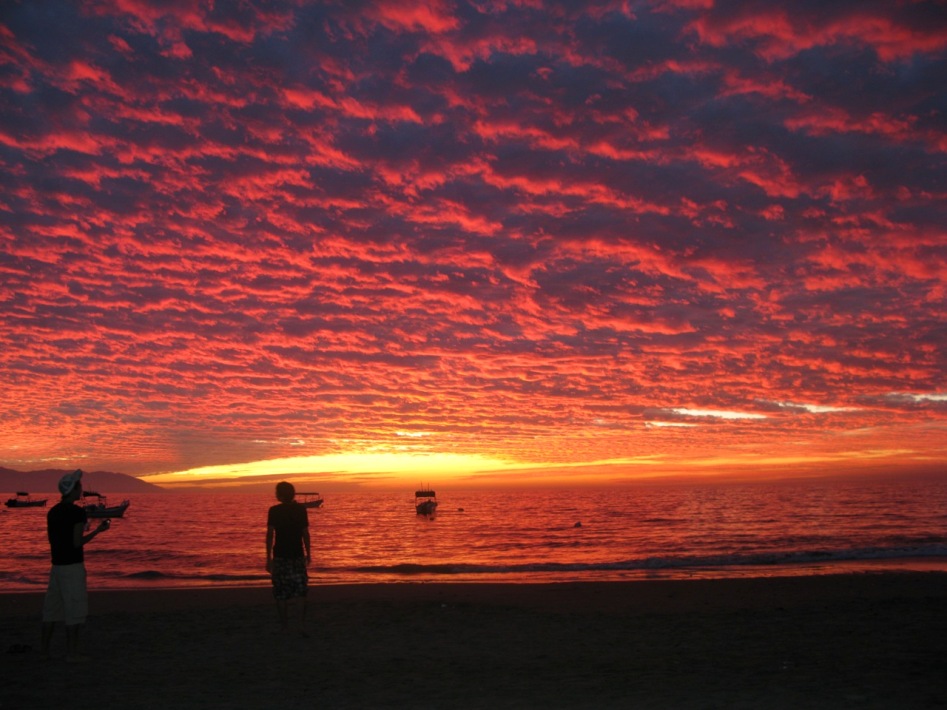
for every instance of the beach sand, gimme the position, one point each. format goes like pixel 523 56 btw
pixel 836 641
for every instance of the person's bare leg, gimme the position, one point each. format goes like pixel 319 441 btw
pixel 72 644
pixel 283 613
pixel 302 618
pixel 46 637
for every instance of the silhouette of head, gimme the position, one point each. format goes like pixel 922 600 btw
pixel 285 492
pixel 71 484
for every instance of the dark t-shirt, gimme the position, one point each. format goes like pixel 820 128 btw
pixel 288 520
pixel 61 520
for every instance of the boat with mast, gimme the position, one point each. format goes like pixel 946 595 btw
pixel 425 502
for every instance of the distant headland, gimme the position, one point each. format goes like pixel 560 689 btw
pixel 45 481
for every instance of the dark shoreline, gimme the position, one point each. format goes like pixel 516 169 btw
pixel 645 595
pixel 867 640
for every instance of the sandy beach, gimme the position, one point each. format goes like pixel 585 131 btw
pixel 838 641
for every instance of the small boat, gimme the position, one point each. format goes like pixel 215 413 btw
pixel 310 500
pixel 101 508
pixel 25 500
pixel 425 502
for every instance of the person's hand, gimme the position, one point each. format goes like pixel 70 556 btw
pixel 104 525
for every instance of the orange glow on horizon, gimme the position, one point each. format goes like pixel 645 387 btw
pixel 401 470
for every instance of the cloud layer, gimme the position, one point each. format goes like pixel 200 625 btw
pixel 552 233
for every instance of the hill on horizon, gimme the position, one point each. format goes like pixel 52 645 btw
pixel 46 481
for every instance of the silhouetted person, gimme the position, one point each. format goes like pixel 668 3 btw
pixel 67 597
pixel 288 553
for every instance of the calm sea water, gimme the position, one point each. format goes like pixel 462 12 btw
pixel 675 531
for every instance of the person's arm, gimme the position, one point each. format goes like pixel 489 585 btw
pixel 306 545
pixel 78 539
pixel 269 547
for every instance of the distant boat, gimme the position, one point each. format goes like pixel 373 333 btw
pixel 101 508
pixel 425 502
pixel 310 500
pixel 24 500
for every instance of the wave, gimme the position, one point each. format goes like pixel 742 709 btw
pixel 15 579
pixel 787 559
pixel 155 575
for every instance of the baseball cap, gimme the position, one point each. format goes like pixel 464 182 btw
pixel 69 481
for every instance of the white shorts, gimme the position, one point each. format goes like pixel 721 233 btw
pixel 66 598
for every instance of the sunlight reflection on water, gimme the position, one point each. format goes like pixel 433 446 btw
pixel 175 540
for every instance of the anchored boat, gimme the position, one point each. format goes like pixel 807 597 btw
pixel 24 500
pixel 425 502
pixel 310 500
pixel 101 507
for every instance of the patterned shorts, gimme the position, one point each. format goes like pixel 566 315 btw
pixel 66 598
pixel 290 578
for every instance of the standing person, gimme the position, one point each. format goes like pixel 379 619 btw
pixel 67 597
pixel 288 554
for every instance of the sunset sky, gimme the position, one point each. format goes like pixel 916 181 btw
pixel 484 242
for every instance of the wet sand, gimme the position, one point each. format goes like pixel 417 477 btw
pixel 874 640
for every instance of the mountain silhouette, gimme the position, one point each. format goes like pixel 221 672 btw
pixel 46 481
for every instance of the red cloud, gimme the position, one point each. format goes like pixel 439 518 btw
pixel 424 16
pixel 226 228
pixel 777 33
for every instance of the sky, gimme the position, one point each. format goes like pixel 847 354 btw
pixel 492 242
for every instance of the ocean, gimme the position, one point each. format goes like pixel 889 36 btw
pixel 635 532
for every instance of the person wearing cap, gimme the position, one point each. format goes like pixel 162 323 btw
pixel 66 597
